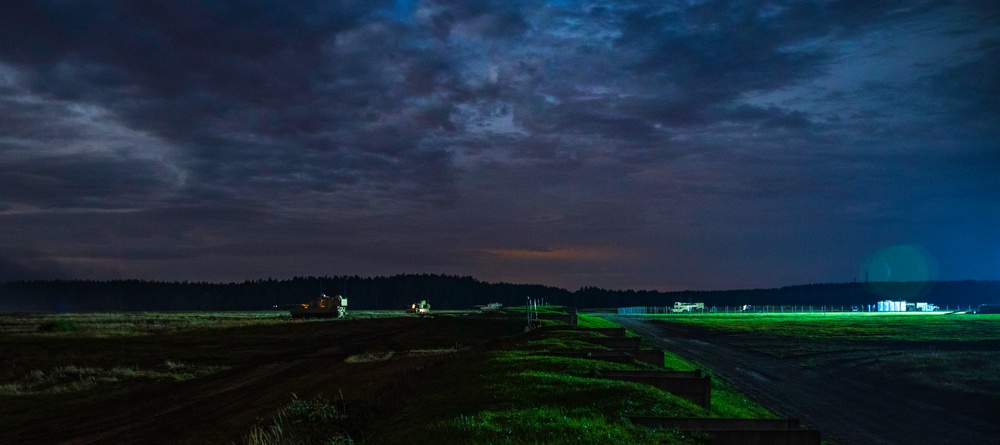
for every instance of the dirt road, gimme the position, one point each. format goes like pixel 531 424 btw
pixel 845 410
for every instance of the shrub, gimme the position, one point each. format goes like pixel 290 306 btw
pixel 315 420
pixel 59 325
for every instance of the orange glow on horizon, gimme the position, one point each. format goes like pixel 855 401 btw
pixel 557 253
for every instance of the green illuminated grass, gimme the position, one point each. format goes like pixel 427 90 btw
pixel 551 426
pixel 530 397
pixel 122 324
pixel 525 396
pixel 590 321
pixel 864 326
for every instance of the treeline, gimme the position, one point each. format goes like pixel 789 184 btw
pixel 449 292
pixel 394 292
pixel 942 293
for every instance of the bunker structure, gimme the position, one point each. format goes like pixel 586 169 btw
pixel 903 306
pixel 321 307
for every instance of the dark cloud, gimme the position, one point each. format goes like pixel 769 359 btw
pixel 91 182
pixel 568 143
pixel 485 19
pixel 771 117
pixel 717 49
pixel 975 85
pixel 23 267
pixel 238 83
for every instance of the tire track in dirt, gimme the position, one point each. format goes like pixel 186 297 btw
pixel 168 412
pixel 253 390
pixel 845 410
pixel 209 403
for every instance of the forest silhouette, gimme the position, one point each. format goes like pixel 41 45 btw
pixel 450 292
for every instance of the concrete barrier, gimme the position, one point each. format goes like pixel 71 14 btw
pixel 607 332
pixel 624 344
pixel 738 431
pixel 688 385
pixel 708 423
pixel 651 356
pixel 571 318
pixel 609 373
pixel 597 354
pixel 762 437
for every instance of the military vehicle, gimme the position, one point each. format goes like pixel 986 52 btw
pixel 682 308
pixel 423 307
pixel 322 307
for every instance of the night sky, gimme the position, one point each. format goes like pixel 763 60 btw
pixel 622 144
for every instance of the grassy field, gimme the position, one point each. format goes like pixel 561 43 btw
pixel 847 326
pixel 953 358
pixel 378 378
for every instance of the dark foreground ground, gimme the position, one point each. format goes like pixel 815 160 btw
pixel 267 364
pixel 848 408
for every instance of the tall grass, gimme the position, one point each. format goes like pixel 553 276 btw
pixel 74 378
pixel 118 324
pixel 311 421
pixel 549 425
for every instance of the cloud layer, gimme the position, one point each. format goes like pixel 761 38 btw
pixel 699 145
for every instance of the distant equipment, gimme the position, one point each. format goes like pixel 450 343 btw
pixel 681 307
pixel 423 307
pixel 322 307
pixel 903 306
pixel 989 309
pixel 492 307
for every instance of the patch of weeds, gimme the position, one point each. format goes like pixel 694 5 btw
pixel 728 402
pixel 72 378
pixel 131 324
pixel 559 343
pixel 550 425
pixel 59 325
pixel 590 321
pixel 304 421
pixel 368 357
pixel 960 372
pixel 674 362
pixel 11 389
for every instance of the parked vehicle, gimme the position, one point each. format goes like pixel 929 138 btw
pixel 322 307
pixel 680 308
pixel 423 307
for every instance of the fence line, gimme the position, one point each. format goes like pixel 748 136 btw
pixel 768 309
